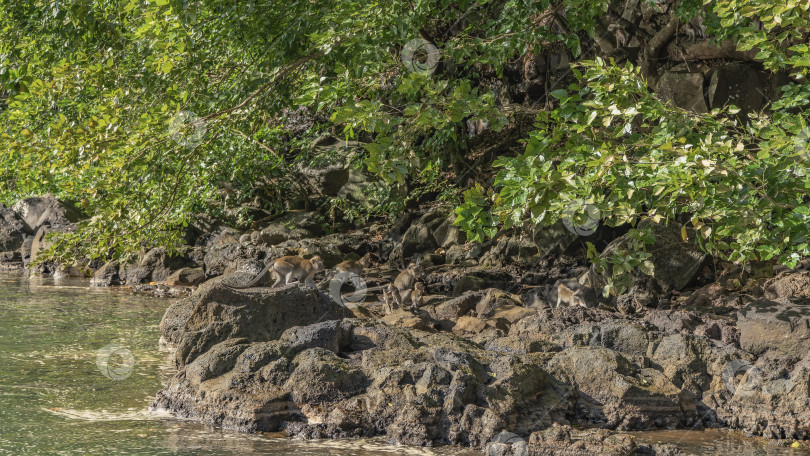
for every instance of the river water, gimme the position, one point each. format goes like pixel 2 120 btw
pixel 79 366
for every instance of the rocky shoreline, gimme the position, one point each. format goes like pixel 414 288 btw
pixel 486 361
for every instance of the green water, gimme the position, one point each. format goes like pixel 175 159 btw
pixel 55 400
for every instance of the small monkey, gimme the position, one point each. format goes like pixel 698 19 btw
pixel 407 278
pixel 353 266
pixel 392 298
pixel 286 268
pixel 621 36
pixel 568 296
pixel 416 295
pixel 695 29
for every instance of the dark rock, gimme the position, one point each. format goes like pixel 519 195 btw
pixel 469 283
pixel 186 277
pixel 676 262
pixel 683 89
pixel 552 239
pixel 107 275
pixel 739 85
pixel 447 234
pixel 12 230
pixel 155 266
pixel 328 335
pixel 219 313
pixel 417 239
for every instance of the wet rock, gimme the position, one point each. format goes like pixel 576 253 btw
pixel 383 381
pixel 11 261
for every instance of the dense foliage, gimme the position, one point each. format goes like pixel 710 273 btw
pixel 143 112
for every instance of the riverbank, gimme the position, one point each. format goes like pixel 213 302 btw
pixel 486 356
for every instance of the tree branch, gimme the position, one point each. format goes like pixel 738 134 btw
pixel 283 72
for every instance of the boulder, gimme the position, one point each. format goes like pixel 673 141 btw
pixel 107 275
pixel 39 211
pixel 789 284
pixel 447 234
pixel 676 262
pixel 683 89
pixel 417 239
pixel 782 325
pixel 13 230
pixel 215 313
pixel 155 265
pixel 186 277
pixel 552 239
pixel 381 381
pixel 625 395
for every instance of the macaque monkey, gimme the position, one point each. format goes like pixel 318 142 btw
pixel 695 29
pixel 392 298
pixel 621 36
pixel 568 296
pixel 353 266
pixel 416 295
pixel 476 127
pixel 407 278
pixel 288 267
